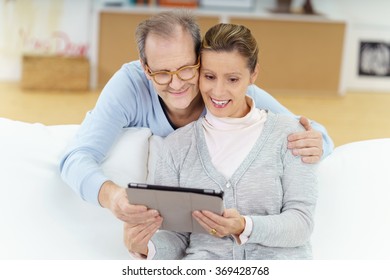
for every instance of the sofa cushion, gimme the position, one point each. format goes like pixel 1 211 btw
pixel 42 217
pixel 127 161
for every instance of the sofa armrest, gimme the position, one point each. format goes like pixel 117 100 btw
pixel 352 219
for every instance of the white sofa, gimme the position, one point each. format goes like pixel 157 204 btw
pixel 42 218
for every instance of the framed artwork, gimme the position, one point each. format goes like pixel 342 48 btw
pixel 374 59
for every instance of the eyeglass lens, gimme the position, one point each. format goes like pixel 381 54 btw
pixel 184 74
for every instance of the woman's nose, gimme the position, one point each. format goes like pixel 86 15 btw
pixel 219 88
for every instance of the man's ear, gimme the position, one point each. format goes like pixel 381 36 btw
pixel 255 74
pixel 143 64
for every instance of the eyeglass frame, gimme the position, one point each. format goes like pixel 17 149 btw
pixel 171 73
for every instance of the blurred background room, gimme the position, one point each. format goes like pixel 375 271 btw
pixel 327 60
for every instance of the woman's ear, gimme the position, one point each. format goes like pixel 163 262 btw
pixel 255 74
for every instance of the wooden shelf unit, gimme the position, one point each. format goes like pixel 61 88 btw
pixel 297 53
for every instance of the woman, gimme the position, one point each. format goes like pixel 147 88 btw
pixel 269 194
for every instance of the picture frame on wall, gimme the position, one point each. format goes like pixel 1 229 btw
pixel 374 59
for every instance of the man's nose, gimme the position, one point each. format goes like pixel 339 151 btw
pixel 176 82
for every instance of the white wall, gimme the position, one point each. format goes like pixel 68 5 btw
pixel 42 26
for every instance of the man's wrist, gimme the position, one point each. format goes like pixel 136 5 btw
pixel 105 193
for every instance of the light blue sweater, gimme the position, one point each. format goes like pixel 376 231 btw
pixel 130 100
pixel 271 186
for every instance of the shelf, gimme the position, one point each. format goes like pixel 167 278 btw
pixel 297 52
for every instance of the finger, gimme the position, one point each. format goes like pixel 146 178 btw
pixel 141 217
pixel 307 151
pixel 305 123
pixel 311 159
pixel 125 206
pixel 149 231
pixel 305 143
pixel 303 135
pixel 203 219
pixel 308 155
pixel 220 223
pixel 208 224
pixel 140 233
pixel 204 225
pixel 137 231
pixel 129 235
pixel 215 218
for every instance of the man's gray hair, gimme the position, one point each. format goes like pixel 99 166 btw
pixel 163 24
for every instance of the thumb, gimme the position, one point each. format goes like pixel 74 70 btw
pixel 305 123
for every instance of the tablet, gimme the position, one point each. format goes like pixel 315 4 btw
pixel 176 204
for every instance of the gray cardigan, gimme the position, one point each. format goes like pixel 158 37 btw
pixel 271 186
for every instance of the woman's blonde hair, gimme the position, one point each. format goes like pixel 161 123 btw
pixel 230 37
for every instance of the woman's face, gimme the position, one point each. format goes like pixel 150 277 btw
pixel 223 82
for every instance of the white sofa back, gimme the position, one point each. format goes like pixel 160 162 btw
pixel 353 208
pixel 42 218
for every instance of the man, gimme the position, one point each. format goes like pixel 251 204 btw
pixel 160 91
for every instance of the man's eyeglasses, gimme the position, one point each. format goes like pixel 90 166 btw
pixel 165 77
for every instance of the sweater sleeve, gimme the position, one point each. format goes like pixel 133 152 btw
pixel 116 108
pixel 294 225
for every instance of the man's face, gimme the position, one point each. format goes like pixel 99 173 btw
pixel 170 55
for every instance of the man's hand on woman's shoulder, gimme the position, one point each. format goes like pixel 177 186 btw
pixel 307 144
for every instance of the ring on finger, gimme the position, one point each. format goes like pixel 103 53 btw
pixel 213 231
